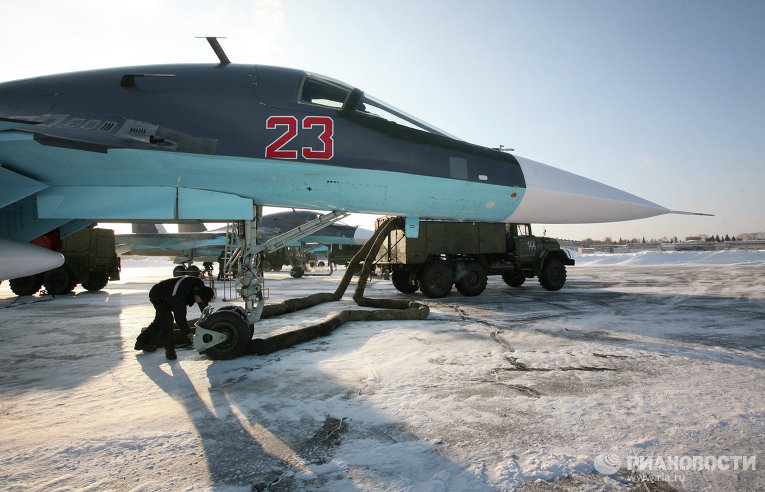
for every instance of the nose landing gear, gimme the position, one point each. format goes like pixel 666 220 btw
pixel 224 334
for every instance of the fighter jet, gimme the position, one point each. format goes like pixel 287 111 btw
pixel 217 142
pixel 209 141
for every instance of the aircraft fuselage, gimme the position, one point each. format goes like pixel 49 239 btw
pixel 251 131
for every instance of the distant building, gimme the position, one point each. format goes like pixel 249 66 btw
pixel 695 245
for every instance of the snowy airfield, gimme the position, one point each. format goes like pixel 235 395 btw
pixel 653 356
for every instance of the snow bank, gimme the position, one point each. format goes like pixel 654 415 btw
pixel 659 258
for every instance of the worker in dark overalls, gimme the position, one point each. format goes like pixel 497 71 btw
pixel 170 298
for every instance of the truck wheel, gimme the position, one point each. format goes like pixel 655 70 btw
pixel 473 282
pixel 60 280
pixel 436 280
pixel 96 281
pixel 297 272
pixel 401 282
pixel 553 274
pixel 515 279
pixel 27 286
pixel 238 332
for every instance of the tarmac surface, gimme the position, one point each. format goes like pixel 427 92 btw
pixel 515 388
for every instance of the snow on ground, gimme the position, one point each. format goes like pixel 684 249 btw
pixel 659 258
pixel 516 388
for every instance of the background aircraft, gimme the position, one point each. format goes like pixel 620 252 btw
pixel 195 242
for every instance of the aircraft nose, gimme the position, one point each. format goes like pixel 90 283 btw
pixel 555 196
pixel 361 235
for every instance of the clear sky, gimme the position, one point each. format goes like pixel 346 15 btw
pixel 664 99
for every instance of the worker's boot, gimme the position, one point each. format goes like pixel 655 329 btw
pixel 146 347
pixel 170 354
pixel 143 345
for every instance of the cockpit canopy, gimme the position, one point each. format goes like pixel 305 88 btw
pixel 323 91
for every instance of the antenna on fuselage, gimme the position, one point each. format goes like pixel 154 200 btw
pixel 215 45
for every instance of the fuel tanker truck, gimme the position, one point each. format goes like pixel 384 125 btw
pixel 463 254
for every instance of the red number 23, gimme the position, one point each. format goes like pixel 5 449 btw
pixel 276 149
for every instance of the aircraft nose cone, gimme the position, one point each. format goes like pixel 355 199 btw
pixel 361 235
pixel 554 196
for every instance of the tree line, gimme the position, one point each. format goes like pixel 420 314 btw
pixel 716 238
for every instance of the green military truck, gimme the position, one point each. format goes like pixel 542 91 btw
pixel 90 260
pixel 463 254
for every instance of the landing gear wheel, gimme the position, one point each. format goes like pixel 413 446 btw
pixel 553 274
pixel 193 271
pixel 436 280
pixel 96 281
pixel 27 286
pixel 238 334
pixel 473 282
pixel 401 282
pixel 179 271
pixel 60 280
pixel 297 272
pixel 515 279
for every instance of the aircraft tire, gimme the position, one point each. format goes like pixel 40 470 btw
pixel 297 272
pixel 436 280
pixel 473 282
pixel 553 275
pixel 236 328
pixel 515 279
pixel 60 280
pixel 193 271
pixel 27 286
pixel 179 271
pixel 400 280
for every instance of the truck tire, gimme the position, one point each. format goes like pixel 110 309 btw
pixel 27 286
pixel 436 280
pixel 515 279
pixel 96 281
pixel 473 281
pixel 60 280
pixel 239 333
pixel 400 280
pixel 553 275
